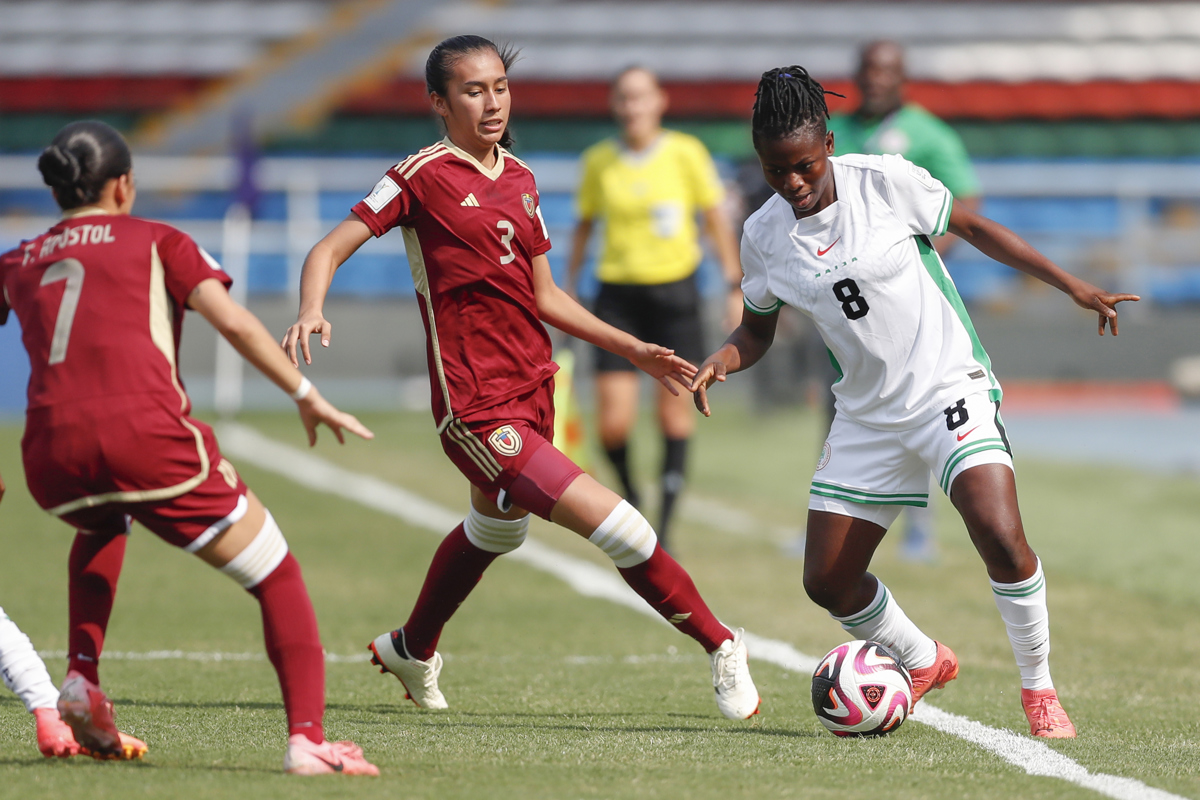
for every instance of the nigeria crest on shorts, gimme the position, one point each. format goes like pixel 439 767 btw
pixel 505 440
pixel 529 209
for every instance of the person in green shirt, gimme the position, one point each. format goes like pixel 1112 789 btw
pixel 884 123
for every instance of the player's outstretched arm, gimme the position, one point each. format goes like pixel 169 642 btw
pixel 998 242
pixel 322 261
pixel 251 338
pixel 744 347
pixel 559 309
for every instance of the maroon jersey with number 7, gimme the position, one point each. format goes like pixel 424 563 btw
pixel 471 234
pixel 100 299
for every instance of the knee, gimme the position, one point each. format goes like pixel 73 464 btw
pixel 625 536
pixel 495 535
pixel 266 551
pixel 823 588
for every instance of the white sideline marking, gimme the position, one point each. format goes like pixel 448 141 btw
pixel 1032 755
pixel 187 655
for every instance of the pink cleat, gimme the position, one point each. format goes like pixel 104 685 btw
pixel 1047 718
pixel 944 670
pixel 84 706
pixel 327 758
pixel 54 737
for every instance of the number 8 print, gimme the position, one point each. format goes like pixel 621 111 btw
pixel 70 270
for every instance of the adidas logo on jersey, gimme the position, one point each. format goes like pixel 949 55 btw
pixel 470 201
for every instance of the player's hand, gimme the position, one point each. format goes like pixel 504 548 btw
pixel 710 372
pixel 662 364
pixel 1103 303
pixel 316 410
pixel 306 326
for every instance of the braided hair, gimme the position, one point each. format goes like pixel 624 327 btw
pixel 789 101
pixel 81 159
pixel 439 67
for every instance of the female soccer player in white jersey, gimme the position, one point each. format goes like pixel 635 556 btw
pixel 476 245
pixel 847 241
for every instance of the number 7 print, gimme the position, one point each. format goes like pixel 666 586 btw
pixel 70 270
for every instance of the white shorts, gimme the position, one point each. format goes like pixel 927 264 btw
pixel 871 474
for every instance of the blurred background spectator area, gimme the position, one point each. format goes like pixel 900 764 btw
pixel 1083 119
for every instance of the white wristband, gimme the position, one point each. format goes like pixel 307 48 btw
pixel 302 390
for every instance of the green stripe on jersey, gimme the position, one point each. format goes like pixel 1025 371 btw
pixel 933 265
pixel 978 447
pixel 838 367
pixel 943 218
pixel 838 493
pixel 876 495
pixel 762 312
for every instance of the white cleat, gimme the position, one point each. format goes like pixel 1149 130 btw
pixel 737 697
pixel 420 678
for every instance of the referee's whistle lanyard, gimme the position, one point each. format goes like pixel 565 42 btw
pixel 871 144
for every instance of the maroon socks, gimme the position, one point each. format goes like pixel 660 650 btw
pixel 294 647
pixel 668 588
pixel 456 569
pixel 93 570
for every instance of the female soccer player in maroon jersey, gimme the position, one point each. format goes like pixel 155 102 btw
pixel 108 437
pixel 476 245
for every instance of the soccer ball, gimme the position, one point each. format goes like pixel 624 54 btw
pixel 861 689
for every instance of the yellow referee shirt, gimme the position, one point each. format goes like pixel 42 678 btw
pixel 648 203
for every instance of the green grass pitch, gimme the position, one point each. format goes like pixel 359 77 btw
pixel 555 695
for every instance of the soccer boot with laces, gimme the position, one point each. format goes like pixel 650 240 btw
pixel 419 678
pixel 89 713
pixel 327 758
pixel 737 697
pixel 54 737
pixel 1047 718
pixel 944 670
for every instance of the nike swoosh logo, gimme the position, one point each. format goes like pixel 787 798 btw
pixel 338 767
pixel 821 252
pixel 962 436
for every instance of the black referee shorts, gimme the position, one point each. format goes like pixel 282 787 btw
pixel 661 313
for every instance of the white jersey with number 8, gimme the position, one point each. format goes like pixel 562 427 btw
pixel 865 270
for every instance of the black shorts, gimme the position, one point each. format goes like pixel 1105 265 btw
pixel 660 313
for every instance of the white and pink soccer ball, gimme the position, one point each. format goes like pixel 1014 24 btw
pixel 861 689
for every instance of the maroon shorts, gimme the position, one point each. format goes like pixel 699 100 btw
pixel 165 472
pixel 507 451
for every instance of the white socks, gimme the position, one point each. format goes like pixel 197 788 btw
pixel 24 673
pixel 885 622
pixel 1023 608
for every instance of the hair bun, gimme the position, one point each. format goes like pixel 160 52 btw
pixel 60 168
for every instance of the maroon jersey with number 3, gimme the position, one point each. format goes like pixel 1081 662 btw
pixel 100 299
pixel 471 234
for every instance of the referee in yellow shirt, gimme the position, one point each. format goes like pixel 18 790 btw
pixel 648 187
